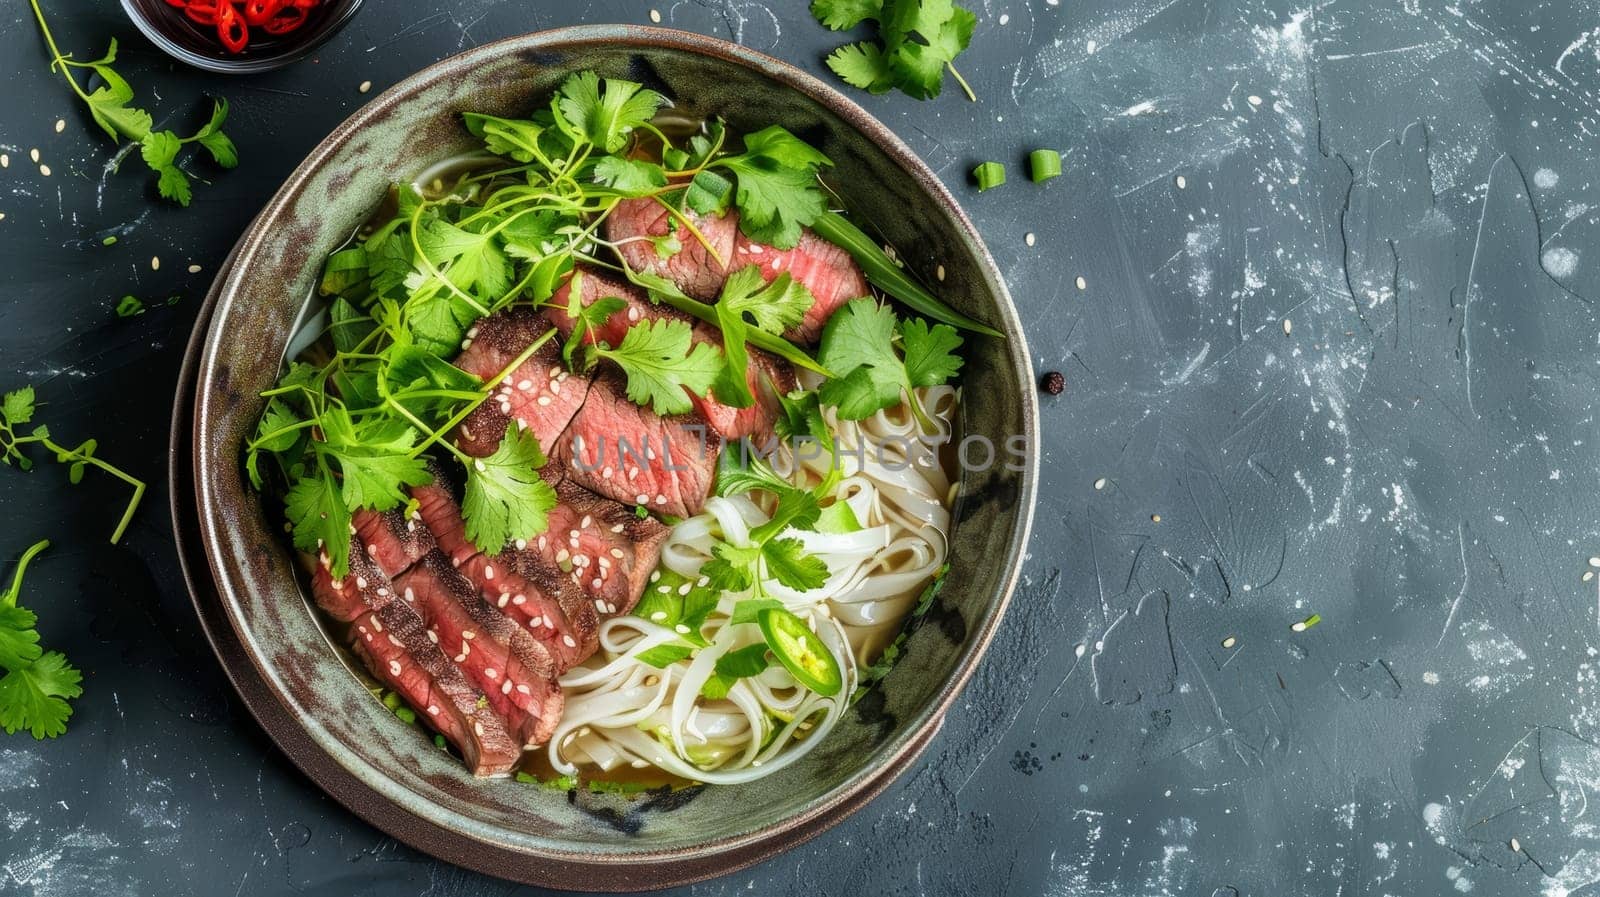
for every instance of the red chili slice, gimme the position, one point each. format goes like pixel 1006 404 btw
pixel 259 12
pixel 231 30
pixel 178 3
pixel 203 12
pixel 288 19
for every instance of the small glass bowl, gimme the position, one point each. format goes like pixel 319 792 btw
pixel 190 42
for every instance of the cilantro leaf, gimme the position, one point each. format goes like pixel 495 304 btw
pixel 505 497
pixel 516 139
pixel 661 360
pixel 708 193
pixel 221 148
pixel 630 177
pixel 740 471
pixel 788 563
pixel 18 406
pixel 473 262
pixel 863 65
pixel 34 697
pixel 842 15
pixel 930 358
pixel 605 112
pixel 159 149
pixel 318 518
pixel 731 568
pixel 776 186
pixel 19 642
pixel 773 307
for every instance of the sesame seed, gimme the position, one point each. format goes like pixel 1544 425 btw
pixel 1594 562
pixel 1081 283
pixel 617 553
pixel 658 616
pixel 394 667
pixel 684 589
pixel 567 640
pixel 468 634
pixel 365 86
pixel 1029 238
pixel 1229 642
pixel 543 400
pixel 194 269
pixel 1288 326
pixel 505 598
pixel 492 673
pixel 396 642
pixel 478 463
pixel 488 571
pixel 661 499
pixel 641 498
pixel 478 728
pixel 155 263
pixel 939 272
pixel 1516 845
pixel 655 575
pixel 44 170
pixel 522 689
pixel 1100 483
pixel 433 710
pixel 562 555
pixel 599 605
pixel 1155 518
pixel 1254 100
pixel 681 629
pixel 1588 575
pixel 655 16
pixel 524 385
pixel 460 657
pixel 617 528
pixel 361 582
pixel 595 584
pixel 433 636
pixel 5 160
pixel 584 523
pixel 34 155
pixel 1182 182
pixel 519 599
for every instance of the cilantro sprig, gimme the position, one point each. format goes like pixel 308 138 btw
pixel 918 42
pixel 859 343
pixel 109 106
pixel 37 684
pixel 17 410
pixel 747 301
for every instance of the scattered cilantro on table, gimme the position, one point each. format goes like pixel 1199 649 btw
pixel 109 107
pixel 918 42
pixel 16 410
pixel 37 684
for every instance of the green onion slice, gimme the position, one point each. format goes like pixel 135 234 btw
pixel 989 175
pixel 1044 164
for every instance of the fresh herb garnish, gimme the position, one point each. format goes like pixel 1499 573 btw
pixel 37 683
pixel 662 360
pixel 1044 164
pixel 776 188
pixel 920 40
pixel 989 175
pixel 748 301
pixel 109 106
pixel 18 409
pixel 740 663
pixel 129 306
pixel 859 343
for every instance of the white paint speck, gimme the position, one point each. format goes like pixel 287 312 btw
pixel 1560 261
pixel 1544 179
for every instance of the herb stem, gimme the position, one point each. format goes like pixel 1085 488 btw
pixel 433 436
pixel 59 60
pixel 9 597
pixel 64 454
pixel 962 81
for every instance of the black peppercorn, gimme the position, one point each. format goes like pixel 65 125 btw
pixel 1054 383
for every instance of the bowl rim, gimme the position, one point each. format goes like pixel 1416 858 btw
pixel 251 65
pixel 552 866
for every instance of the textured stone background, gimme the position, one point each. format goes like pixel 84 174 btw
pixel 1337 334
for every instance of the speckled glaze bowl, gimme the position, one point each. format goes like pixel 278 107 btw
pixel 273 643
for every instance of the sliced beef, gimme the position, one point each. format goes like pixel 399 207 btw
pixel 392 540
pixel 540 395
pixel 827 271
pixel 609 549
pixel 768 375
pixel 496 655
pixel 538 597
pixel 628 453
pixel 388 635
pixel 695 269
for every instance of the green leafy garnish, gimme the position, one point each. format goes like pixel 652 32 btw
pixel 859 344
pixel 506 499
pixel 37 683
pixel 16 410
pixel 661 360
pixel 740 663
pixel 129 306
pixel 920 40
pixel 748 301
pixel 662 656
pixel 605 112
pixel 110 109
pixel 776 186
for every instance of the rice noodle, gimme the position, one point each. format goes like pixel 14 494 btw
pixel 621 711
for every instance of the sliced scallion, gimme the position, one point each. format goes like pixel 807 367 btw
pixel 989 175
pixel 1044 164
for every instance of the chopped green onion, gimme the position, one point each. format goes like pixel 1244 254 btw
pixel 989 175
pixel 1044 164
pixel 128 306
pixel 109 241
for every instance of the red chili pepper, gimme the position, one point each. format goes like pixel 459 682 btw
pixel 231 30
pixel 203 12
pixel 288 19
pixel 178 3
pixel 259 12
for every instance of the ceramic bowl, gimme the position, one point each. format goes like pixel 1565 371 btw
pixel 274 643
pixel 189 42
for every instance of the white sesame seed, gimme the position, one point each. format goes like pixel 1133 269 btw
pixel 5 160
pixel 396 642
pixel 522 689
pixel 1229 642
pixel 661 499
pixel 478 728
pixel 365 86
pixel 61 125
pixel 655 16
pixel 492 673
pixel 394 667
pixel 488 571
pixel 562 555
pixel 461 657
pixel 1254 100
pixel 1288 326
pixel 155 263
pixel 1588 575
pixel 1100 483
pixel 1182 182
pixel 1516 845
pixel 599 605
pixel 433 636
pixel 543 400
pixel 433 710
pixel 1594 562
pixel 658 616
pixel 641 498
pixel 595 584
pixel 681 629
pixel 34 155
pixel 194 269
pixel 567 640
pixel 1029 238
pixel 684 589
pixel 519 599
pixel 44 170
pixel 584 523
pixel 361 582
pixel 1081 283
pixel 478 463
pixel 468 634
pixel 617 553
pixel 506 688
